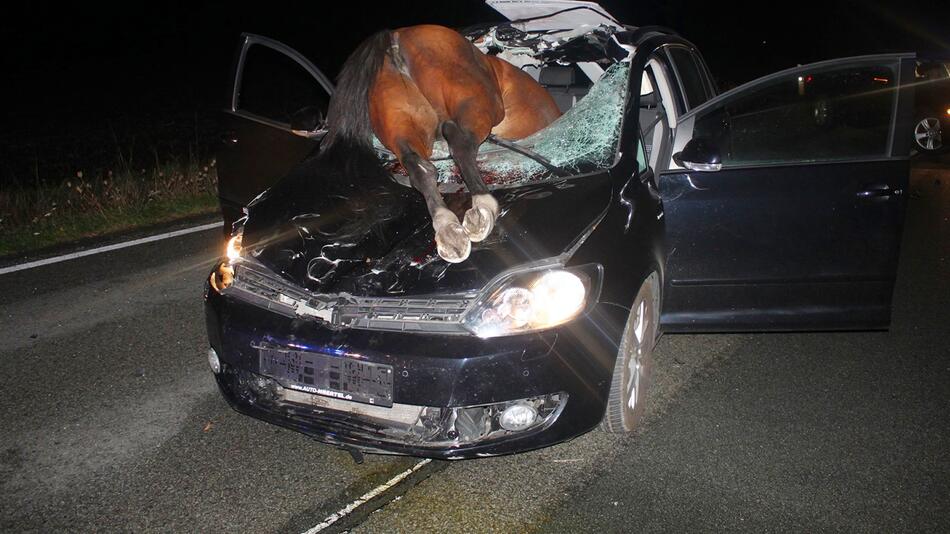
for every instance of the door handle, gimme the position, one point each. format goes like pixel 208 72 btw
pixel 877 192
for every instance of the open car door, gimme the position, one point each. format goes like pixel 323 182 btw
pixel 274 118
pixel 785 200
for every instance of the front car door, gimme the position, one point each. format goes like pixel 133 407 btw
pixel 273 89
pixel 801 225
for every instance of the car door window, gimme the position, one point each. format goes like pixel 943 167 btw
pixel 275 86
pixel 690 77
pixel 823 113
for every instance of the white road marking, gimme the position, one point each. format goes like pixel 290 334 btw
pixel 108 248
pixel 348 509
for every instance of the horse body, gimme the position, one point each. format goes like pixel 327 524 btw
pixel 528 106
pixel 414 85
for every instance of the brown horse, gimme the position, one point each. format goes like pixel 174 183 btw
pixel 414 85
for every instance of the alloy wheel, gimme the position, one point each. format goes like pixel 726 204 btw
pixel 633 369
pixel 928 135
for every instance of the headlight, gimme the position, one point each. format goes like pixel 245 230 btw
pixel 233 250
pixel 534 300
pixel 223 276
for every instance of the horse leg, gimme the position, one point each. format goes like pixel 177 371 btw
pixel 405 122
pixel 452 243
pixel 463 144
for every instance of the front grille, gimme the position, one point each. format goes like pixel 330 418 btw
pixel 254 284
pixel 438 314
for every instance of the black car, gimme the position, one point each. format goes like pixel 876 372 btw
pixel 653 205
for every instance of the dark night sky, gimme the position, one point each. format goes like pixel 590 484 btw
pixel 70 64
pixel 110 49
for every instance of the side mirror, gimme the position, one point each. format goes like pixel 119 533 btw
pixel 306 122
pixel 699 154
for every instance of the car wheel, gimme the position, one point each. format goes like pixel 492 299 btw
pixel 634 366
pixel 928 134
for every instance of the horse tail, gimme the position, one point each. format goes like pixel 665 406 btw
pixel 348 113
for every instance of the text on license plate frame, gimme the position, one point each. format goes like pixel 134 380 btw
pixel 338 377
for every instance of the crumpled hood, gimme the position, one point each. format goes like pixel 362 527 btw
pixel 375 237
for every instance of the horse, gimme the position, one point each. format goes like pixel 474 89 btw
pixel 417 84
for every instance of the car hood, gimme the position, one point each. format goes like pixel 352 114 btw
pixel 375 238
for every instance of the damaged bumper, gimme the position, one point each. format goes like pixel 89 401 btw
pixel 447 396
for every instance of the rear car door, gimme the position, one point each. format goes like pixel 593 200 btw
pixel 276 100
pixel 798 226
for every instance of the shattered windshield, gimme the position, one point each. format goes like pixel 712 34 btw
pixel 583 139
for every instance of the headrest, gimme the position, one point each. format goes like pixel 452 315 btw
pixel 556 75
pixel 648 100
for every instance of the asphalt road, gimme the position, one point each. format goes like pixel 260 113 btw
pixel 111 421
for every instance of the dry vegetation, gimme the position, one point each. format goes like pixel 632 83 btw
pixel 100 183
pixel 84 206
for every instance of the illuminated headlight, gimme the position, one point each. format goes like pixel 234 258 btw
pixel 223 276
pixel 534 300
pixel 233 250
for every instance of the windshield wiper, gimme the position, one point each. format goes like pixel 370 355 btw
pixel 528 153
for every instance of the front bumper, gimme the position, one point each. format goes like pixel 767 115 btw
pixel 430 370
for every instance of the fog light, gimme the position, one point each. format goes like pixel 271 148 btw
pixel 213 361
pixel 518 416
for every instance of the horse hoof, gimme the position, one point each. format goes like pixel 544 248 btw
pixel 453 243
pixel 478 223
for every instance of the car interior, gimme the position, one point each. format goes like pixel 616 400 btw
pixel 566 83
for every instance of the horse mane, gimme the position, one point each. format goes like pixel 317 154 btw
pixel 348 113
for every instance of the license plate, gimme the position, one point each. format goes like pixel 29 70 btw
pixel 332 376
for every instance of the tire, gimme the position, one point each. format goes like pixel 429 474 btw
pixel 634 367
pixel 928 135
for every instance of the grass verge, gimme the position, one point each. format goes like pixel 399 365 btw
pixel 20 241
pixel 82 207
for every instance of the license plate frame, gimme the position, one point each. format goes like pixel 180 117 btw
pixel 338 377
